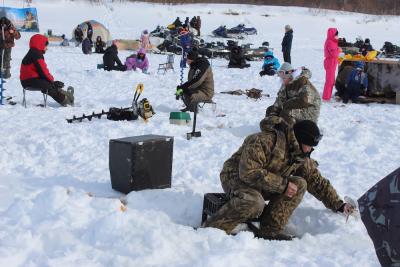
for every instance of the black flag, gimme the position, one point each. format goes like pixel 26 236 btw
pixel 380 213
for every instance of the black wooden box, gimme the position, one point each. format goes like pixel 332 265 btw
pixel 141 162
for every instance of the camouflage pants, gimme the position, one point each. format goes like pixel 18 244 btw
pixel 246 203
pixel 7 57
pixel 191 100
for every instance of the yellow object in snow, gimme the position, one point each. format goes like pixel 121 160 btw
pixel 358 57
pixel 371 55
pixel 348 56
pixel 171 26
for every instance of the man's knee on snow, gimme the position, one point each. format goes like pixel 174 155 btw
pixel 249 202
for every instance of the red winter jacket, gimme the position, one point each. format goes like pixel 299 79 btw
pixel 33 65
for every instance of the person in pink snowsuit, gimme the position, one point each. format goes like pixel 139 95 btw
pixel 331 52
pixel 145 40
pixel 138 61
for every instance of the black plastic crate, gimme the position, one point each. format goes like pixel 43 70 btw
pixel 212 203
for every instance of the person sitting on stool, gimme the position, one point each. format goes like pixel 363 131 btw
pixel 200 84
pixel 35 74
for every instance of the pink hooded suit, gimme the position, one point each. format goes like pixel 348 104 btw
pixel 132 63
pixel 145 40
pixel 331 52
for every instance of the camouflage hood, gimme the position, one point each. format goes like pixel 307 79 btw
pixel 276 123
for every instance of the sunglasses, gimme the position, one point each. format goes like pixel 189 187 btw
pixel 283 72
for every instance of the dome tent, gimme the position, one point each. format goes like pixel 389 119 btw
pixel 98 30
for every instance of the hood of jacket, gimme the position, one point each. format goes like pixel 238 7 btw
pixel 38 42
pixel 331 34
pixel 142 51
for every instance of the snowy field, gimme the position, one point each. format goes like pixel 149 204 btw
pixel 49 167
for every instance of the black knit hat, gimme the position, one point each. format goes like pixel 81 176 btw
pixel 192 55
pixel 307 133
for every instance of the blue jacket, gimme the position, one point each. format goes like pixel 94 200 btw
pixel 357 78
pixel 274 61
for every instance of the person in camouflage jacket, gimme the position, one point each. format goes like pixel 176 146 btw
pixel 297 99
pixel 273 165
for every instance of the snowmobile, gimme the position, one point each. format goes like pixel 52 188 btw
pixel 241 29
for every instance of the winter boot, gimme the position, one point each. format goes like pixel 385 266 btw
pixel 69 96
pixel 6 74
pixel 273 236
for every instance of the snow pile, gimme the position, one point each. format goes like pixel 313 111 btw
pixel 57 207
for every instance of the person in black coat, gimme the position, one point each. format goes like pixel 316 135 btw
pixel 99 45
pixel 237 58
pixel 287 44
pixel 78 34
pixel 87 46
pixel 111 60
pixel 366 47
pixel 89 32
pixel 177 23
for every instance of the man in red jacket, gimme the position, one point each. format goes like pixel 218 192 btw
pixel 34 73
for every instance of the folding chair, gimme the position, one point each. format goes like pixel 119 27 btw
pixel 168 65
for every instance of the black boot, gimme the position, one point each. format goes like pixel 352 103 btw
pixel 273 236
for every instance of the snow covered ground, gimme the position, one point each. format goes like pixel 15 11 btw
pixel 48 167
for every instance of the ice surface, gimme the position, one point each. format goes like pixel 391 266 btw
pixel 57 207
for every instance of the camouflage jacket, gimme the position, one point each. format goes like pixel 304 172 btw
pixel 265 161
pixel 299 99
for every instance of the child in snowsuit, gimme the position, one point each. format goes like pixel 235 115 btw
pixel 65 41
pixel 35 74
pixel 145 40
pixel 271 64
pixel 356 83
pixel 331 52
pixel 138 61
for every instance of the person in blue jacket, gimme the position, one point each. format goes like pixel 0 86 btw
pixel 271 64
pixel 356 83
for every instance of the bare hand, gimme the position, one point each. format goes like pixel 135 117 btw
pixel 291 190
pixel 348 209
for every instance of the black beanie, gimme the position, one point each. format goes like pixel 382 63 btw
pixel 192 55
pixel 307 133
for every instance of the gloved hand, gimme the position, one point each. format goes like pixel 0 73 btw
pixel 178 93
pixel 263 72
pixel 58 84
